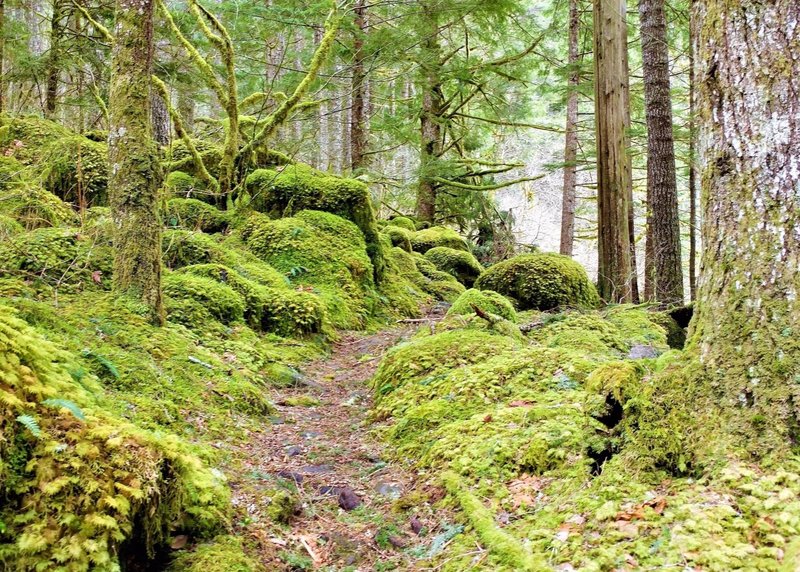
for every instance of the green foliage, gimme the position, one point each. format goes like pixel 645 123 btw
pixel 461 265
pixel 221 554
pixel 486 300
pixel 193 214
pixel 423 240
pixel 298 187
pixel 541 282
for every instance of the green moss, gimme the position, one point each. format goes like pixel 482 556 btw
pixel 298 187
pixel 638 326
pixel 193 214
pixel 9 227
pixel 584 332
pixel 458 263
pixel 402 222
pixel 424 240
pixel 398 237
pixel 541 282
pixel 193 300
pixel 76 170
pixel 283 506
pixel 181 185
pixel 487 301
pixel 181 248
pixel 221 554
pixel 33 207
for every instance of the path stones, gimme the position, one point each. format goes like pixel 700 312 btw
pixel 387 489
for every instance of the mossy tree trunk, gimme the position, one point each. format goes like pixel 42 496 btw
pixel 2 55
pixel 358 119
pixel 692 171
pixel 571 137
pixel 746 329
pixel 134 173
pixel 54 57
pixel 616 271
pixel 430 117
pixel 663 271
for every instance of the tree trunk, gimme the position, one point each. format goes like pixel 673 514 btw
pixel 358 118
pixel 692 172
pixel 663 272
pixel 2 55
pixel 430 116
pixel 54 57
pixel 133 158
pixel 571 138
pixel 616 273
pixel 747 319
pixel 161 121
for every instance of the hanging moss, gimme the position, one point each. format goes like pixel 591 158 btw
pixel 462 265
pixel 487 301
pixel 76 481
pixel 423 240
pixel 193 214
pixel 541 282
pixel 298 187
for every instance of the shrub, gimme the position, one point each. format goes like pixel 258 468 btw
pixel 423 240
pixel 541 282
pixel 458 263
pixel 487 301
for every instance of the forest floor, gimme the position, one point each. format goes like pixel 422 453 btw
pixel 322 463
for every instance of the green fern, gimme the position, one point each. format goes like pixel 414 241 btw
pixel 30 424
pixel 65 404
pixel 103 361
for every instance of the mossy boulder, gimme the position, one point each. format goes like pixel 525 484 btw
pixel 424 275
pixel 458 263
pixel 33 207
pixel 423 240
pixel 294 188
pixel 76 170
pixel 9 227
pixel 194 214
pixel 181 185
pixel 193 300
pixel 402 222
pixel 541 282
pixel 186 247
pixel 221 554
pixel 398 237
pixel 486 300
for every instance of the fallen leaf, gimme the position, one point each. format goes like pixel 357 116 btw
pixel 96 277
pixel 179 542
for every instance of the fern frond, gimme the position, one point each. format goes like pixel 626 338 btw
pixel 30 424
pixel 66 404
pixel 104 362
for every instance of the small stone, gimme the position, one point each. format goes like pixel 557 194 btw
pixel 293 451
pixel 315 469
pixel 416 525
pixel 348 499
pixel 291 476
pixel 309 435
pixel 392 490
pixel 641 351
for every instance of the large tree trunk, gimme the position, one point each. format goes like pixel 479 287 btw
pixel 161 121
pixel 747 317
pixel 663 273
pixel 430 117
pixel 133 159
pixel 358 117
pixel 571 137
pixel 2 55
pixel 54 57
pixel 616 272
pixel 692 172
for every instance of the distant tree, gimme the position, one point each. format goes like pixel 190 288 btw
pixel 134 173
pixel 571 136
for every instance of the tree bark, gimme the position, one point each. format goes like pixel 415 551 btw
pixel 358 117
pixel 161 121
pixel 54 57
pixel 430 126
pixel 663 271
pixel 571 137
pixel 747 318
pixel 616 272
pixel 692 171
pixel 134 173
pixel 2 55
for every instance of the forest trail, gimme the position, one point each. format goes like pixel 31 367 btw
pixel 350 499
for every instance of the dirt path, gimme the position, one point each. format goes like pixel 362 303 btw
pixel 356 510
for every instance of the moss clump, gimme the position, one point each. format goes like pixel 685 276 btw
pixel 402 222
pixel 398 237
pixel 423 240
pixel 33 207
pixel 299 187
pixel 58 258
pixel 181 248
pixel 283 506
pixel 486 300
pixel 193 300
pixel 458 263
pixel 76 170
pixel 76 480
pixel 638 326
pixel 541 282
pixel 222 554
pixel 181 185
pixel 321 252
pixel 193 214
pixel 9 227
pixel 422 274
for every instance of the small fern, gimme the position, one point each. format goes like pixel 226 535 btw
pixel 103 361
pixel 65 404
pixel 30 424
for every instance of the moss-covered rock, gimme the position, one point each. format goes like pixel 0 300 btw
pixel 76 170
pixel 221 554
pixel 299 187
pixel 33 207
pixel 424 275
pixel 193 214
pixel 186 247
pixel 9 227
pixel 486 300
pixel 541 282
pixel 402 222
pixel 181 185
pixel 423 240
pixel 192 300
pixel 458 263
pixel 398 237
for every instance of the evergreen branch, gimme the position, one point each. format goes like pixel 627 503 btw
pixel 484 188
pixel 109 37
pixel 512 123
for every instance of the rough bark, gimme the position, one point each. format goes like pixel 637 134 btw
pixel 616 273
pixel 747 317
pixel 692 172
pixel 430 117
pixel 161 122
pixel 54 57
pixel 663 271
pixel 2 55
pixel 358 116
pixel 571 137
pixel 134 173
